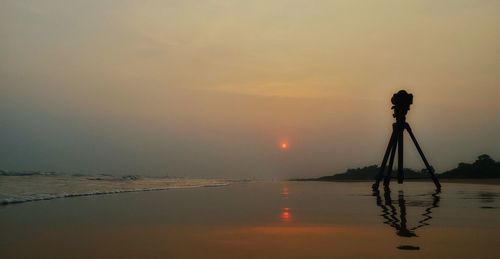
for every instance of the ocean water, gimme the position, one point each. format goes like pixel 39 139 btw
pixel 260 220
pixel 36 187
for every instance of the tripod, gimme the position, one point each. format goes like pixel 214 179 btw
pixel 401 101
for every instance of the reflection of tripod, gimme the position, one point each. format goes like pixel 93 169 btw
pixel 389 213
pixel 401 101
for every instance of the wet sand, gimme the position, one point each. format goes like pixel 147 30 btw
pixel 485 181
pixel 260 220
pixel 495 181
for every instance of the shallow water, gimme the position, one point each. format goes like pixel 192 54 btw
pixel 261 220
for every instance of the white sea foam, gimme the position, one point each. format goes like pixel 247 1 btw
pixel 26 188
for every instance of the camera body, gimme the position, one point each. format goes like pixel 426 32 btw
pixel 402 99
pixel 401 104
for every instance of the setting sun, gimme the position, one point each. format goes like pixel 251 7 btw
pixel 284 145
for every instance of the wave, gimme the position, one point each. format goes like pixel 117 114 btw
pixel 39 188
pixel 28 173
pixel 41 197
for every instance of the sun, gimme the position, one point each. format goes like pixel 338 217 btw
pixel 284 146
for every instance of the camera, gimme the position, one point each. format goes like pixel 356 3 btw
pixel 402 99
pixel 401 104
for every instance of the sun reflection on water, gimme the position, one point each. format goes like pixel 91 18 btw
pixel 284 192
pixel 286 215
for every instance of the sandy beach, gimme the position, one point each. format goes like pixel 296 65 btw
pixel 260 220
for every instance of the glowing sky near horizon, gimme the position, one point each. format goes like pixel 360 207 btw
pixel 207 88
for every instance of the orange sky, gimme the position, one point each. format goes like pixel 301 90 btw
pixel 210 89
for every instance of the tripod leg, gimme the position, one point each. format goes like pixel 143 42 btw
pixel 427 165
pixel 391 161
pixel 380 174
pixel 400 155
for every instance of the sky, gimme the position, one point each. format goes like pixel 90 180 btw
pixel 214 88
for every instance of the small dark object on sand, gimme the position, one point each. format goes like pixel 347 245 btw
pixel 408 247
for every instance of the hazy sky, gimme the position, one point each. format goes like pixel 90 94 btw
pixel 212 88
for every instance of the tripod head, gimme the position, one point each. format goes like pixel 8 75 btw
pixel 401 104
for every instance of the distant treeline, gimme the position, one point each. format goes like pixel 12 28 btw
pixel 483 167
